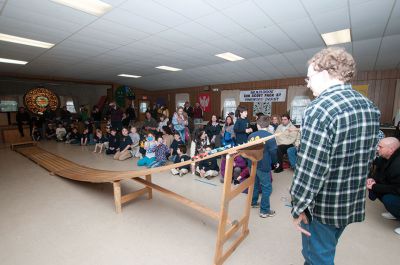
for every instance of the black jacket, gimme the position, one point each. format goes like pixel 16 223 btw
pixel 209 164
pixel 387 175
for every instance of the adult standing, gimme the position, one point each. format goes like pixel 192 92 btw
pixel 23 118
pixel 188 109
pixel 197 114
pixel 96 117
pixel 180 122
pixel 115 116
pixel 213 130
pixel 385 182
pixel 338 139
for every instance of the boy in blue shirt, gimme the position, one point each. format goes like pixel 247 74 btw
pixel 263 177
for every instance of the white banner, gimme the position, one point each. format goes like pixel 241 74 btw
pixel 264 95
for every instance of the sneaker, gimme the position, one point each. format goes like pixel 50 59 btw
pixel 388 216
pixel 278 170
pixel 257 205
pixel 271 213
pixel 397 230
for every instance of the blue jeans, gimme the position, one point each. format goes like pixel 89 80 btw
pixel 157 164
pixel 145 161
pixel 320 247
pixel 392 204
pixel 292 155
pixel 263 179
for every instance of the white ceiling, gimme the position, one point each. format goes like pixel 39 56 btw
pixel 276 38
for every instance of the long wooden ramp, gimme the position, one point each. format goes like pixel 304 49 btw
pixel 62 167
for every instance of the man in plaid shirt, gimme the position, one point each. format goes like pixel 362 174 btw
pixel 338 139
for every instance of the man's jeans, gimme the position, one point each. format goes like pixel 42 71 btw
pixel 263 180
pixel 320 247
pixel 392 204
pixel 292 156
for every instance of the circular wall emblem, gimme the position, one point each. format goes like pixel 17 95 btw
pixel 37 100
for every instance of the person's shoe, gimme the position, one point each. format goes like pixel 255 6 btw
pixel 271 213
pixel 397 230
pixel 257 205
pixel 278 170
pixel 388 216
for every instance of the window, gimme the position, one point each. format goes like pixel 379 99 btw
pixel 229 106
pixel 8 105
pixel 70 106
pixel 180 99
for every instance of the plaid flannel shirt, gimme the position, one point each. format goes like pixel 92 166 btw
pixel 338 139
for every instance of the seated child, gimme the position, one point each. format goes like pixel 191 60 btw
pixel 123 151
pixel 60 132
pixel 36 134
pixel 181 156
pixel 50 132
pixel 174 146
pixel 74 137
pixel 85 136
pixel 208 168
pixel 113 142
pixel 161 152
pixel 167 135
pixel 99 139
pixel 240 170
pixel 198 146
pixel 150 155
pixel 135 137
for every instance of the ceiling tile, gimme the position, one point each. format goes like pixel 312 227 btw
pixel 303 33
pixel 276 38
pixel 222 4
pixel 220 24
pixel 334 20
pixel 283 10
pixel 194 10
pixel 317 6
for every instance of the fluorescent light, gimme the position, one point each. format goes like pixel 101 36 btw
pixel 131 76
pixel 4 60
pixel 337 37
pixel 229 56
pixel 168 68
pixel 94 7
pixel 24 41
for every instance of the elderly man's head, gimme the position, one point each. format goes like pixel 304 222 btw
pixel 387 146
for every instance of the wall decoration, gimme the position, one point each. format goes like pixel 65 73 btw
pixel 37 100
pixel 205 102
pixel 264 107
pixel 271 95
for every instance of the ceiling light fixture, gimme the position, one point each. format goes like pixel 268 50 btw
pixel 229 56
pixel 168 68
pixel 130 76
pixel 25 41
pixel 336 37
pixel 4 60
pixel 94 7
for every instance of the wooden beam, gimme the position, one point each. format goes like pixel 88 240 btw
pixel 117 196
pixel 149 190
pixel 133 195
pixel 181 199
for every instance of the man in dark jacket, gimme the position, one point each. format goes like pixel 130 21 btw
pixel 23 118
pixel 385 182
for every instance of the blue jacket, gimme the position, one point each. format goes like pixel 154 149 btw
pixel 270 149
pixel 240 130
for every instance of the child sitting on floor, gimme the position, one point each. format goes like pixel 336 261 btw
pixel 85 136
pixel 150 155
pixel 99 139
pixel 60 132
pixel 74 137
pixel 208 168
pixel 240 170
pixel 135 137
pixel 174 146
pixel 182 156
pixel 123 150
pixel 36 134
pixel 50 132
pixel 161 152
pixel 113 143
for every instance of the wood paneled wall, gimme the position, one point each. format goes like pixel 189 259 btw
pixel 381 90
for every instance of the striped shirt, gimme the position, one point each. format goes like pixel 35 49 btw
pixel 338 139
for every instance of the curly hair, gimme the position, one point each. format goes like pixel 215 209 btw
pixel 336 61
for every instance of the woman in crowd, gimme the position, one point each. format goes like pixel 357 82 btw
pixel 213 130
pixel 227 132
pixel 180 123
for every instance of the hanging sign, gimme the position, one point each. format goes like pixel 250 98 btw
pixel 264 95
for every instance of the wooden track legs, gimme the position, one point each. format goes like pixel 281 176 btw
pixel 120 199
pixel 224 232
